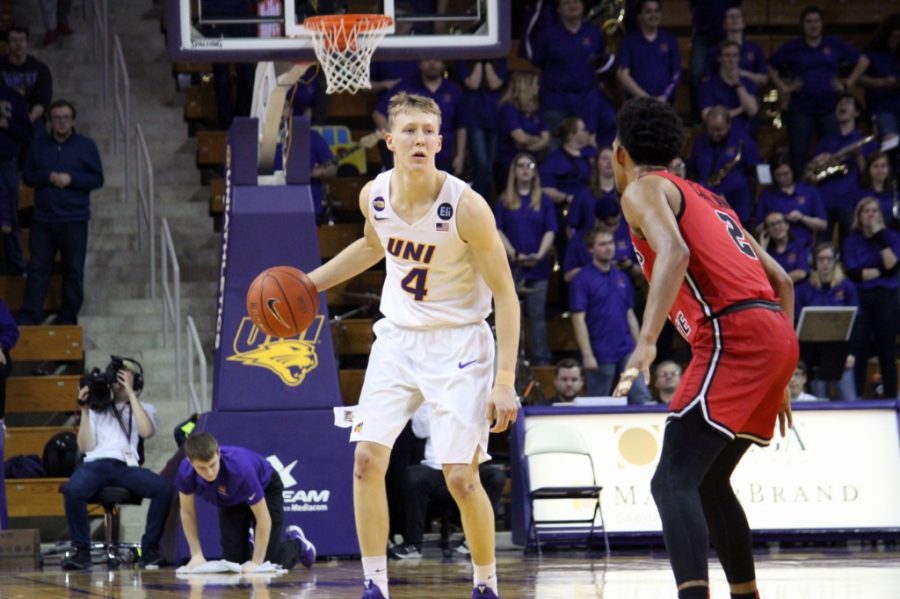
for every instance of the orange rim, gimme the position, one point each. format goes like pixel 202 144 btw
pixel 370 22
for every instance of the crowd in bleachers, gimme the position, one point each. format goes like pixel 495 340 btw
pixel 534 141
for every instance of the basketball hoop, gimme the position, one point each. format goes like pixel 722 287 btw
pixel 344 45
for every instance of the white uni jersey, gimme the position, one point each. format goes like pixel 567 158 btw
pixel 431 280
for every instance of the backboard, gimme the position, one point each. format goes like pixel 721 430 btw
pixel 220 30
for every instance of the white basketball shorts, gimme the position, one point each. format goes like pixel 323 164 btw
pixel 451 368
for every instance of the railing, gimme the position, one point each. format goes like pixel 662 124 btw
pixel 171 296
pixel 100 41
pixel 198 400
pixel 146 204
pixel 121 94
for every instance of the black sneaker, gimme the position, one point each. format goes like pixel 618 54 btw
pixel 150 557
pixel 406 551
pixel 80 560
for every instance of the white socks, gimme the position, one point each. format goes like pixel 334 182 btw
pixel 375 569
pixel 486 575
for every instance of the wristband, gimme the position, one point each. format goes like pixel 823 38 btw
pixel 881 239
pixel 505 377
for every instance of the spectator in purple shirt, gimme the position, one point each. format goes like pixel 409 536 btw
pixel 800 203
pixel 520 127
pixel 247 491
pixel 481 81
pixel 724 148
pixel 878 181
pixel 793 257
pixel 827 286
pixel 753 60
pixel 840 192
pixel 598 201
pixel 430 82
pixel 870 258
pixel 527 223
pixel 650 64
pixel 707 17
pixel 570 54
pixel 601 299
pixel 727 87
pixel 882 77
pixel 806 70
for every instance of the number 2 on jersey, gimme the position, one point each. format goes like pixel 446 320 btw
pixel 414 283
pixel 737 234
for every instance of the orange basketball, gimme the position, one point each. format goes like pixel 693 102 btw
pixel 282 301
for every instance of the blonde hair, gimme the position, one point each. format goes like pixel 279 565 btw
pixel 510 196
pixel 403 102
pixel 519 94
pixel 837 277
pixel 857 226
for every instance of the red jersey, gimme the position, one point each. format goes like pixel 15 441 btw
pixel 723 269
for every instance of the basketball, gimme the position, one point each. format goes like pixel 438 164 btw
pixel 282 301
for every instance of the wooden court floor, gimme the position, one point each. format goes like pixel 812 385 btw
pixel 810 575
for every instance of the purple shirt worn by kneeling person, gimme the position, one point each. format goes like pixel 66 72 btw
pixel 243 477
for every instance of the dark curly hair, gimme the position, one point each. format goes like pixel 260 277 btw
pixel 650 130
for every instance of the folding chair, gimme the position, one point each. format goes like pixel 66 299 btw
pixel 561 439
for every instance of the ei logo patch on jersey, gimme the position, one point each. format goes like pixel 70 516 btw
pixel 445 211
pixel 378 204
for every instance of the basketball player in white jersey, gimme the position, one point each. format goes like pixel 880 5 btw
pixel 444 261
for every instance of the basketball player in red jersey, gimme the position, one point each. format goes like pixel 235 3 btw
pixel 734 305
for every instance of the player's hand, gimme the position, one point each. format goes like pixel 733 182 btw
pixel 639 363
pixel 83 397
pixel 785 417
pixel 502 407
pixel 196 560
pixel 249 567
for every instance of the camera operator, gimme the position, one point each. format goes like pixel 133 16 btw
pixel 113 421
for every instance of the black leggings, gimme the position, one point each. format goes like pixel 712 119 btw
pixel 696 503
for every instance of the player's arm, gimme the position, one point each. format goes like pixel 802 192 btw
pixel 779 279
pixel 649 212
pixel 261 532
pixel 361 255
pixel 477 227
pixel 188 512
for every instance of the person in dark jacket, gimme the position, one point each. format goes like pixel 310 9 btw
pixel 15 130
pixel 63 167
pixel 9 335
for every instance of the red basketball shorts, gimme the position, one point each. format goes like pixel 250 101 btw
pixel 741 365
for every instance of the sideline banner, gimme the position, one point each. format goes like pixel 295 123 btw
pixel 838 470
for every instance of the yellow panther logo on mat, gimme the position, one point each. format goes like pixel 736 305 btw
pixel 291 358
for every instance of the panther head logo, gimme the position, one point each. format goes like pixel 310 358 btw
pixel 290 359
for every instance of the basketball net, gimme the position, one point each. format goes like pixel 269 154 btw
pixel 344 45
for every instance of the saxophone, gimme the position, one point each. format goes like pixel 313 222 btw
pixel 612 12
pixel 830 165
pixel 720 175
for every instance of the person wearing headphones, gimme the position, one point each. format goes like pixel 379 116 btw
pixel 113 423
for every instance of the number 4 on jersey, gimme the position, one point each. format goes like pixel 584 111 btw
pixel 737 234
pixel 414 283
